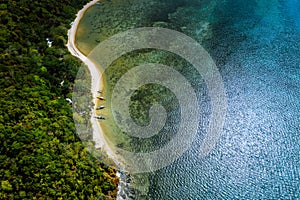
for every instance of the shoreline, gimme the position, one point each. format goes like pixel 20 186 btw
pixel 98 136
pixel 124 189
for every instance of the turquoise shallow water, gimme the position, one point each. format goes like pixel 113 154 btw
pixel 256 46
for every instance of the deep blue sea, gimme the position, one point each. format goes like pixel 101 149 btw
pixel 256 47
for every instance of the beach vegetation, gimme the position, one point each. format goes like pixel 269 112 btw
pixel 41 156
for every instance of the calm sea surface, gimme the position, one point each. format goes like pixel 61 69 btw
pixel 256 47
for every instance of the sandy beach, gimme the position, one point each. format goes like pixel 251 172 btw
pixel 96 85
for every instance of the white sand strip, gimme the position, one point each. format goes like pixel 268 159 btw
pixel 98 136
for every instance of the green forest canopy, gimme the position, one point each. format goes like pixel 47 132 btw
pixel 41 156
